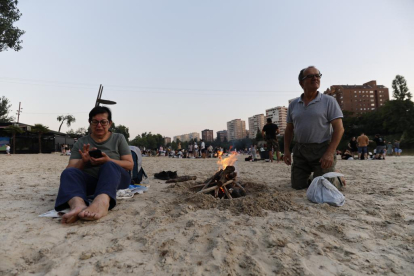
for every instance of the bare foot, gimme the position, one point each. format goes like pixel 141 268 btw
pixel 97 209
pixel 76 206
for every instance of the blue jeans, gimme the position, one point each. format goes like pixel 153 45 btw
pixel 75 182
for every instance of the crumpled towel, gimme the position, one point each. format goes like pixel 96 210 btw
pixel 133 189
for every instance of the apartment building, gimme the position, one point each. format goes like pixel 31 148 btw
pixel 187 137
pixel 236 129
pixel 207 135
pixel 278 115
pixel 359 99
pixel 221 135
pixel 256 123
pixel 167 140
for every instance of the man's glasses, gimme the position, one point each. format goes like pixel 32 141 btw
pixel 102 122
pixel 318 76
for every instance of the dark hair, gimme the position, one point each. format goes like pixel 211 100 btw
pixel 100 110
pixel 269 120
pixel 301 75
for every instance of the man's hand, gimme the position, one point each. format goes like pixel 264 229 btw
pixel 85 153
pixel 327 160
pixel 99 161
pixel 287 158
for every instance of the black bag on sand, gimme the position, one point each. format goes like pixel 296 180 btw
pixel 140 175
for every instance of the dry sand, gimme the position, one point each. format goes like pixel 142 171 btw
pixel 171 231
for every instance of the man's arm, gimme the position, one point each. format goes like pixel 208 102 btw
pixel 85 158
pixel 76 163
pixel 288 139
pixel 338 130
pixel 126 161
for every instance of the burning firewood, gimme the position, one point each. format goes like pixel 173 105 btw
pixel 223 182
pixel 219 181
pixel 181 179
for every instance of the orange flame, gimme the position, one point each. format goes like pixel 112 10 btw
pixel 229 161
pixel 219 154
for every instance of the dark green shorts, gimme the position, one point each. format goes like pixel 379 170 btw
pixel 305 161
pixel 272 143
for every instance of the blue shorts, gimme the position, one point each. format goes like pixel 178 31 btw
pixel 362 149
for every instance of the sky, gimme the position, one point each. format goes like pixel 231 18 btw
pixel 177 67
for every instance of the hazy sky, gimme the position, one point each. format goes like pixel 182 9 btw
pixel 176 67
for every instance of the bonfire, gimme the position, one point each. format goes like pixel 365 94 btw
pixel 224 181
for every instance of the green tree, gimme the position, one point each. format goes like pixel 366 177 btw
pixel 40 130
pixel 9 35
pixel 4 110
pixel 68 118
pixel 14 129
pixel 121 129
pixel 148 140
pixel 399 118
pixel 82 131
pixel 401 92
pixel 259 136
pixel 79 132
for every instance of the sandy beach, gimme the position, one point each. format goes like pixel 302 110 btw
pixel 171 231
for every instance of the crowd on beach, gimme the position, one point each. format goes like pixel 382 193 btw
pixel 196 150
pixel 357 148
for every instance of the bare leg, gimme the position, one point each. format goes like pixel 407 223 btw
pixel 97 209
pixel 76 206
pixel 271 156
pixel 278 157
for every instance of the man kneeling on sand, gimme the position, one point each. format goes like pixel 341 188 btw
pixel 96 178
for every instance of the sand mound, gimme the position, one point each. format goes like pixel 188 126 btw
pixel 258 199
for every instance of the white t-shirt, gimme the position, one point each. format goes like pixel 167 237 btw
pixel 8 148
pixel 203 145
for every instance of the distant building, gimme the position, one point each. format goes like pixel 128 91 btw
pixel 187 137
pixel 359 99
pixel 28 142
pixel 167 140
pixel 278 115
pixel 194 136
pixel 236 129
pixel 207 135
pixel 255 123
pixel 221 135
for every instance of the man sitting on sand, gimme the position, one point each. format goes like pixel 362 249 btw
pixel 99 178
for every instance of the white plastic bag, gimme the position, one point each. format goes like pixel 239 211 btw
pixel 323 191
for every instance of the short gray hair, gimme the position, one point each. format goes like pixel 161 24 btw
pixel 301 75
